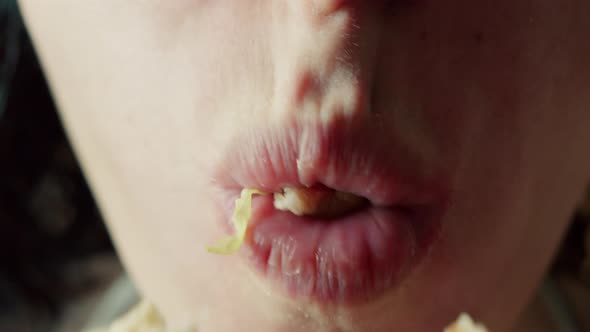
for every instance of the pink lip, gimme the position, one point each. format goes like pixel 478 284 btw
pixel 352 258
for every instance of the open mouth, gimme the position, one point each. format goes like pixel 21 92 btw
pixel 341 222
pixel 318 202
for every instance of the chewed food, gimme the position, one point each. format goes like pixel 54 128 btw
pixel 465 324
pixel 317 202
pixel 240 220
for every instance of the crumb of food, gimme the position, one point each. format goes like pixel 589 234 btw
pixel 465 324
pixel 143 318
pixel 240 219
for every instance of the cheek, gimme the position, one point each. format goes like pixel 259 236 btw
pixel 488 80
pixel 509 118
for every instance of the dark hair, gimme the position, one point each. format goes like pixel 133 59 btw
pixel 49 224
pixel 10 30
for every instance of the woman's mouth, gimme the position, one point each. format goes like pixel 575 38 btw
pixel 346 217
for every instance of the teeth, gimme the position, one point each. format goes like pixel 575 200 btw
pixel 317 202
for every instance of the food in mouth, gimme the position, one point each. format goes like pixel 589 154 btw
pixel 315 202
pixel 240 220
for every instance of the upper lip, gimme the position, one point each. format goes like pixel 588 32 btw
pixel 363 160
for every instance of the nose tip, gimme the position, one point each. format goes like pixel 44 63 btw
pixel 341 92
pixel 323 65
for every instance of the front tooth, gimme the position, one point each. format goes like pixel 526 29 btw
pixel 317 202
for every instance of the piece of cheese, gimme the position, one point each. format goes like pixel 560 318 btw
pixel 240 219
pixel 465 324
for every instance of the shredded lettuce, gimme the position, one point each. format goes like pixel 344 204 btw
pixel 240 219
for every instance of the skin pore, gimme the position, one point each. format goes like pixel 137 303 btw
pixel 159 97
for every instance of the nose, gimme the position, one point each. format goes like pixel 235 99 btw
pixel 323 53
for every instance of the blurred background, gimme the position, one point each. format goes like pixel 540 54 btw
pixel 58 269
pixel 57 264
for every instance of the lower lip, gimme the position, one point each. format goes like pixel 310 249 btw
pixel 351 259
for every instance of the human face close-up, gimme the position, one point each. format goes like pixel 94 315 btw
pixel 458 130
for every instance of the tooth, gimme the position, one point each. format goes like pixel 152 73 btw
pixel 317 203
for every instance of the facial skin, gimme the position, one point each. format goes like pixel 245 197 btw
pixel 493 94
